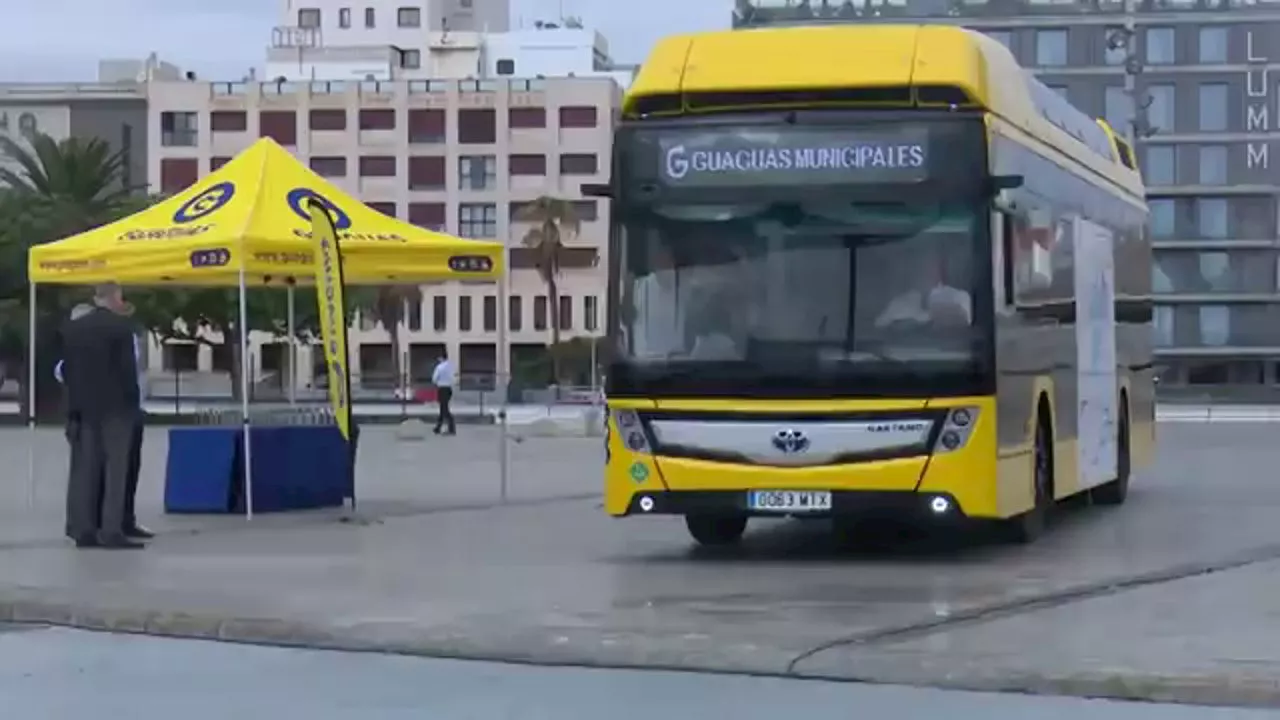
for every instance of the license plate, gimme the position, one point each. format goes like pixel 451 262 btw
pixel 789 501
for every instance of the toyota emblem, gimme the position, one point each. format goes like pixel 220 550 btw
pixel 790 441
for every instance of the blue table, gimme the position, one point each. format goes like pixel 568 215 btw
pixel 295 467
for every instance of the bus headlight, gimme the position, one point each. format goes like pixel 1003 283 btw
pixel 956 429
pixel 632 431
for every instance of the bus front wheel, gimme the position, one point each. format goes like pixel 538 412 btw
pixel 716 530
pixel 1029 526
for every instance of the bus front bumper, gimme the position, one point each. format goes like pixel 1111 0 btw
pixel 858 503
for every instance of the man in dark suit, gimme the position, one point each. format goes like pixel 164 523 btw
pixel 100 371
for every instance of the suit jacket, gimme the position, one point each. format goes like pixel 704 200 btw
pixel 100 369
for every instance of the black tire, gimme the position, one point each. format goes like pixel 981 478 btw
pixel 1117 491
pixel 716 530
pixel 1029 526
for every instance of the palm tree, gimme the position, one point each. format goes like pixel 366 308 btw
pixel 49 190
pixel 554 221
pixel 387 306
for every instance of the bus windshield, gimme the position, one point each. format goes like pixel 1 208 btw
pixel 797 298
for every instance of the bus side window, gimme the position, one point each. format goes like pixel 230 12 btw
pixel 1004 235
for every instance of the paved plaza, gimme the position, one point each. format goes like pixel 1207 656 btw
pixel 1170 597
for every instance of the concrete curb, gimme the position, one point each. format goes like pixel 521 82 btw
pixel 552 647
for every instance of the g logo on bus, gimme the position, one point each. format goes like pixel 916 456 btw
pixel 789 441
pixel 677 162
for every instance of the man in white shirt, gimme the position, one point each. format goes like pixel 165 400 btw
pixel 931 300
pixel 442 377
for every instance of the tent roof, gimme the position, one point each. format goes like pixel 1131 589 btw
pixel 252 214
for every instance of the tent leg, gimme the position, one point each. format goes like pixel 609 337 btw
pixel 244 399
pixel 31 396
pixel 500 383
pixel 293 352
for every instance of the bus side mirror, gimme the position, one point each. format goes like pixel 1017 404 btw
pixel 596 190
pixel 1006 182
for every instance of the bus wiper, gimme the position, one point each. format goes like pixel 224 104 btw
pixel 877 351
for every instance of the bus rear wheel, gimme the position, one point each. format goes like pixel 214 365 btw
pixel 716 530
pixel 1029 526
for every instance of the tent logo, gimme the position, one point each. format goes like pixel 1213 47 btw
pixel 205 204
pixel 298 198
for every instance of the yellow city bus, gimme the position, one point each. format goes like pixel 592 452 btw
pixel 860 269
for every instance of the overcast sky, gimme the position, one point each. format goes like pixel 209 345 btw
pixel 62 40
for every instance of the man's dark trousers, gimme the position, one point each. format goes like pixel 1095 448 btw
pixel 444 396
pixel 101 477
pixel 84 485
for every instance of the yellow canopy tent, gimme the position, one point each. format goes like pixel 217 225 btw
pixel 251 215
pixel 248 224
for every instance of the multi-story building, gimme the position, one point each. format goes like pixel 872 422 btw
pixel 460 156
pixel 1198 74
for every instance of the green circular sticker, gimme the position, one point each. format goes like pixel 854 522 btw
pixel 639 472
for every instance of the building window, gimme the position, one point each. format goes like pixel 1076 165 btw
pixel 1213 165
pixel 1213 45
pixel 477 127
pixel 1163 218
pixel 515 313
pixel 579 164
pixel 378 166
pixel 427 126
pixel 228 121
pixel 177 174
pixel 506 66
pixel 386 208
pixel 578 116
pixel 586 210
pixel 329 167
pixel 217 162
pixel 490 313
pixel 590 313
pixel 565 315
pixel 527 118
pixel 344 18
pixel 179 129
pixel 1004 37
pixel 518 165
pixel 1118 110
pixel 478 220
pixel 279 125
pixel 413 315
pixel 540 313
pixel 382 119
pixel 1161 47
pixel 1051 48
pixel 411 59
pixel 370 18
pixel 440 313
pixel 334 120
pixel 1116 49
pixel 426 173
pixel 431 216
pixel 309 18
pixel 1211 218
pixel 409 17
pixel 1159 166
pixel 477 172
pixel 464 313
pixel 1160 113
pixel 1213 107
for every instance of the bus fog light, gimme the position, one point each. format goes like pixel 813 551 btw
pixel 646 504
pixel 950 440
pixel 636 441
pixel 939 505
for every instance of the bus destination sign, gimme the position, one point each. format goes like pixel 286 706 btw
pixel 735 157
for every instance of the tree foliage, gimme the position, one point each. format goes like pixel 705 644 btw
pixel 554 221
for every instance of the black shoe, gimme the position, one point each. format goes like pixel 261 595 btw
pixel 137 532
pixel 119 542
pixel 89 541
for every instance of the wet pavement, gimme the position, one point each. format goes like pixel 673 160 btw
pixel 53 674
pixel 1095 608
